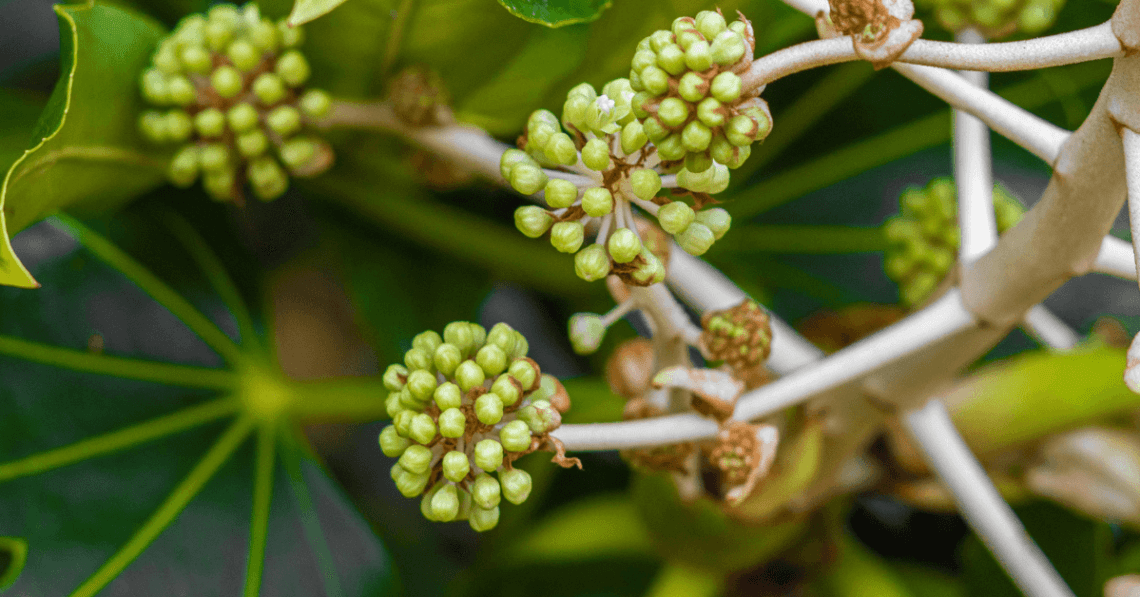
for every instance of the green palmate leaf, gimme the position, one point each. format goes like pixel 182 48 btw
pixel 87 154
pixel 130 463
pixel 556 13
pixel 308 10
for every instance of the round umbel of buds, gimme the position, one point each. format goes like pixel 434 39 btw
pixel 995 18
pixel 740 336
pixel 923 238
pixel 689 95
pixel 228 89
pixel 464 406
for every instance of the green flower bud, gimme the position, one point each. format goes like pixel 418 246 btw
pixel 263 35
pixel 391 443
pixel 653 272
pixel 284 120
pixel 153 126
pixel 469 375
pixel 516 484
pixel 646 183
pixel 728 48
pixel 253 143
pixel 297 152
pixel 455 466
pixel 459 334
pixel 166 59
pixel 220 184
pixel 290 36
pixel 586 332
pixel 292 68
pixel 489 408
pixel 560 149
pixel 687 39
pixel 421 383
pixel 633 137
pixel 696 239
pixel 540 118
pixel 673 112
pixel 218 35
pixel 178 126
pixel 692 87
pixel 597 201
pixel 485 491
pixel 698 162
pixel 726 87
pixel 403 419
pixel 488 454
pixel 675 217
pixel 214 157
pixel 559 193
pixel 315 103
pixel 532 220
pixel 671 148
pixel 267 178
pixel 445 503
pixel 184 166
pixel 740 130
pixel 492 359
pixel 412 484
pixel 506 389
pixel 655 80
pixel 567 237
pixel 659 39
pixel 196 59
pixel 716 219
pixel 696 136
pixel 527 178
pixel 643 59
pixel 524 372
pixel 483 519
pixel 226 81
pixel 427 341
pixel 515 436
pixel 478 335
pixel 452 423
pixel 623 245
pixel 710 112
pixel 243 55
pixel 242 117
pixel 268 88
pixel 446 358
pixel 698 56
pixel 710 23
pixel 416 459
pixel 541 417
pixel 410 401
pixel 210 122
pixel 654 129
pixel 596 155
pixel 153 85
pixel 521 347
pixel 672 59
pixel 180 91
pixel 423 428
pixel 637 103
pixel 447 396
pixel 573 111
pixel 417 358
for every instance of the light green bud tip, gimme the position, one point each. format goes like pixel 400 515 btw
pixel 423 428
pixel 567 237
pixel 532 220
pixel 527 178
pixel 482 519
pixel 673 112
pixel 489 408
pixel 391 443
pixel 560 193
pixel 592 263
pixel 586 332
pixel 696 239
pixel 469 375
pixel 515 436
pixel 623 245
pixel 492 359
pixel 597 201
pixel 416 459
pixel 560 149
pixel 488 454
pixel 716 219
pixel 445 503
pixel 674 217
pixel 456 466
pixel 506 389
pixel 485 491
pixel 452 423
pixel 523 372
pixel 646 183
pixel 596 155
pixel 422 384
pixel 516 485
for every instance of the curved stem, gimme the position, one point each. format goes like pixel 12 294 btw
pixel 1131 142
pixel 981 504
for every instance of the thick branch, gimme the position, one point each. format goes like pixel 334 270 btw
pixel 973 172
pixel 1131 143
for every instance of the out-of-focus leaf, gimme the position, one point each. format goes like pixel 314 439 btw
pixel 603 526
pixel 677 580
pixel 592 401
pixel 120 469
pixel 13 556
pixel 859 572
pixel 556 13
pixel 88 154
pixel 1031 395
pixel 20 112
pixel 308 10
pixel 927 582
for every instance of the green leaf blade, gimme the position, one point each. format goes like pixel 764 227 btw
pixel 556 13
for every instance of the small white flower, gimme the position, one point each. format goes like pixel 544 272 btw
pixel 605 104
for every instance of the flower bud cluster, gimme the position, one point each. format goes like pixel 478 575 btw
pixel 740 336
pixel 464 406
pixel 996 18
pixel 228 87
pixel 924 237
pixel 689 92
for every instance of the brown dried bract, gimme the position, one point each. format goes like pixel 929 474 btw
pixel 881 30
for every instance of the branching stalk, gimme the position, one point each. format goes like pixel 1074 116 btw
pixel 973 172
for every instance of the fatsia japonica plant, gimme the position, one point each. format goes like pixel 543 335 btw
pixel 367 297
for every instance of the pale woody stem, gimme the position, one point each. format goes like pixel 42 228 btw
pixel 1131 141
